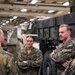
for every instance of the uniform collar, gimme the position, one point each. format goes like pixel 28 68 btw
pixel 68 42
pixel 32 50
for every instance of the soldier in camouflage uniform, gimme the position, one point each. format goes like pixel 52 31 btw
pixel 65 52
pixel 6 59
pixel 29 59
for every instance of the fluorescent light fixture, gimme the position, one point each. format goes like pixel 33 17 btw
pixel 25 22
pixel 66 4
pixel 32 19
pixel 16 26
pixel 4 24
pixel 68 12
pixel 50 11
pixel 15 17
pixel 33 1
pixel 23 10
pixel 42 17
pixel 11 19
pixel 21 24
pixel 7 21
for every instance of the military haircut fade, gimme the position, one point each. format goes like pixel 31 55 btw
pixel 29 36
pixel 67 26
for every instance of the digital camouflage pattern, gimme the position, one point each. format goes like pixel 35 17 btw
pixel 34 60
pixel 7 66
pixel 63 53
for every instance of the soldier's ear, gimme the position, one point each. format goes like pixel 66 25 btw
pixel 69 33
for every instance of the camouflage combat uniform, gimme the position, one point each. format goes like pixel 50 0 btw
pixel 6 63
pixel 33 59
pixel 63 53
pixel 19 46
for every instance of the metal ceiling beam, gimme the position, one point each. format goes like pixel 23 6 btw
pixel 7 27
pixel 11 6
pixel 61 13
pixel 20 14
pixel 45 3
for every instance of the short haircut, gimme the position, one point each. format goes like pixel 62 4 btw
pixel 67 26
pixel 30 36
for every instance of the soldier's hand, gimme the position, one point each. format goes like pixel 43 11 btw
pixel 65 64
pixel 53 51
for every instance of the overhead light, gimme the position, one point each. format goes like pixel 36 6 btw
pixel 11 19
pixel 4 24
pixel 32 19
pixel 16 26
pixel 21 24
pixel 7 21
pixel 25 22
pixel 15 17
pixel 50 11
pixel 68 12
pixel 66 4
pixel 23 10
pixel 33 1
